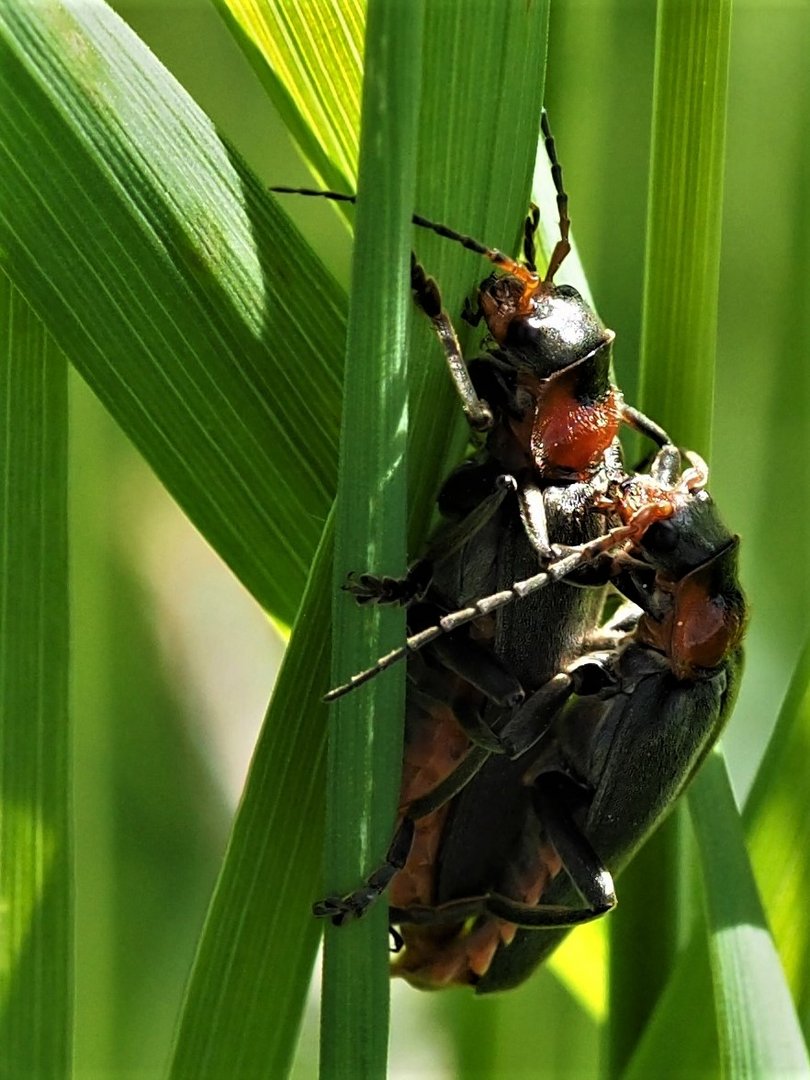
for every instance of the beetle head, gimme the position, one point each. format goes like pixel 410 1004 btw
pixel 693 535
pixel 541 326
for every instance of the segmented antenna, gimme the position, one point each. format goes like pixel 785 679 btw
pixel 528 273
pixel 563 245
pixel 554 571
pixel 500 258
pixel 530 227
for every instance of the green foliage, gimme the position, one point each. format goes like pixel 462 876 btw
pixel 36 995
pixel 365 757
pixel 141 246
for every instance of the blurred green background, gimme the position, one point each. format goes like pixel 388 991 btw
pixel 158 620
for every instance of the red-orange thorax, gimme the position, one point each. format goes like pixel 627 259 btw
pixel 700 630
pixel 566 434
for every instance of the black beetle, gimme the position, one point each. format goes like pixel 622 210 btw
pixel 482 836
pixel 540 479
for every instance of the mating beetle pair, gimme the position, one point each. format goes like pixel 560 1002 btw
pixel 600 753
pixel 540 737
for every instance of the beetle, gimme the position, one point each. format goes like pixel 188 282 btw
pixel 544 397
pixel 629 738
pixel 543 394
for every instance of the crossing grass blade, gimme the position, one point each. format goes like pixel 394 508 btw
pixel 679 327
pixel 752 986
pixel 758 1030
pixel 170 281
pixel 776 826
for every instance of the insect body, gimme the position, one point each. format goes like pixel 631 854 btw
pixel 584 797
pixel 545 397
pixel 494 799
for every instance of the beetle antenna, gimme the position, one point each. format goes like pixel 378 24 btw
pixel 563 245
pixel 554 571
pixel 529 233
pixel 499 258
pixel 315 193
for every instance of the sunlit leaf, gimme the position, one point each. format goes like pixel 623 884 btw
pixel 171 282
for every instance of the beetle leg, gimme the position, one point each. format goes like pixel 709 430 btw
pixel 552 916
pixel 590 877
pixel 471 314
pixel 592 880
pixel 632 586
pixel 533 516
pixel 532 916
pixel 563 245
pixel 614 632
pixel 342 909
pixel 533 719
pixel 588 675
pixel 474 726
pixel 369 588
pixel 451 538
pixel 428 298
pixel 480 667
pixel 454 911
pixel 382 589
pixel 636 419
pixel 469 766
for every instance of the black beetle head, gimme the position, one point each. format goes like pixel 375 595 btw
pixel 544 329
pixel 691 537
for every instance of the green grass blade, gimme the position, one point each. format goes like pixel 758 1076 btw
pixel 244 1000
pixel 763 390
pixel 778 833
pixel 678 334
pixel 484 79
pixel 679 325
pixel 679 1041
pixel 758 1029
pixel 677 377
pixel 365 753
pixel 36 986
pixel 753 987
pixel 310 59
pixel 175 287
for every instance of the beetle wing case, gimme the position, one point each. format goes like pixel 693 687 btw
pixel 649 746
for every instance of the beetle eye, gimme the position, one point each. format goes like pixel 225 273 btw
pixel 569 291
pixel 661 537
